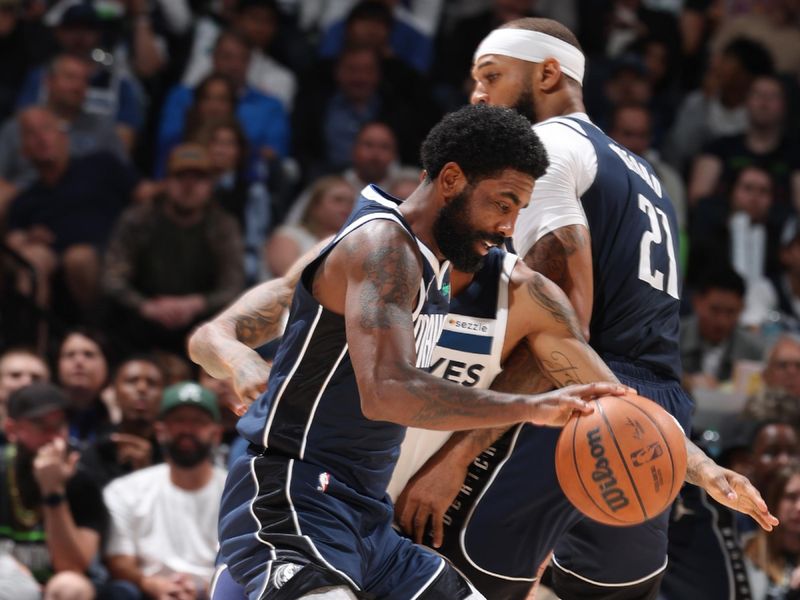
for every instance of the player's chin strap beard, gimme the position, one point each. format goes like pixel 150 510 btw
pixel 533 46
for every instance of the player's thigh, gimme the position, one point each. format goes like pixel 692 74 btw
pixel 598 561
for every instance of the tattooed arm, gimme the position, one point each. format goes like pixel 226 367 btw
pixel 565 257
pixel 223 347
pixel 381 268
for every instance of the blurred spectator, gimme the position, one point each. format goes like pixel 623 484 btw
pixel 171 264
pixel 19 367
pixel 66 83
pixel 779 396
pixel 51 513
pixel 404 182
pixel 175 367
pixel 63 219
pixel 374 158
pixel 113 90
pixel 774 26
pixel 83 373
pixel 262 117
pixel 742 229
pixel 765 144
pixel 22 45
pixel 629 21
pixel 258 21
pixel 711 340
pixel 330 203
pixel 131 445
pixel 772 445
pixel 773 559
pixel 163 537
pixel 631 126
pixel 373 24
pixel 779 299
pixel 248 202
pixel 328 118
pixel 456 46
pixel 718 109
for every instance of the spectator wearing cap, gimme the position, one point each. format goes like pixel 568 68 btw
pixel 51 514
pixel 61 222
pixel 174 262
pixel 163 538
pixel 137 387
pixel 18 367
pixel 113 91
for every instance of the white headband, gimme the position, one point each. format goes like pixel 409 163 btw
pixel 533 46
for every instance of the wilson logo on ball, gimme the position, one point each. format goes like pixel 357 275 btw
pixel 614 497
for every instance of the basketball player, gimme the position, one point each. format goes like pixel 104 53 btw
pixel 601 226
pixel 305 513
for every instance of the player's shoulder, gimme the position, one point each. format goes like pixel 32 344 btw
pixel 565 139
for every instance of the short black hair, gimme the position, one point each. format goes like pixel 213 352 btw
pixel 721 278
pixel 484 141
pixel 371 10
pixel 752 56
pixel 141 357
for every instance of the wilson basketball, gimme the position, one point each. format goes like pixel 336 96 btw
pixel 624 463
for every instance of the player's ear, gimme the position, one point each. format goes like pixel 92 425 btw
pixel 548 74
pixel 451 181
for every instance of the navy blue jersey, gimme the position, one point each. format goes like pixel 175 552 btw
pixel 637 279
pixel 311 410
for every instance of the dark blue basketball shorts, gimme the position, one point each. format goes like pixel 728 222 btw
pixel 511 513
pixel 287 528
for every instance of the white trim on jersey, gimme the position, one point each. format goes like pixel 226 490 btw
pixel 430 581
pixel 318 398
pixel 463 531
pixel 298 360
pixel 256 533
pixel 501 314
pixel 720 538
pixel 308 540
pixel 613 585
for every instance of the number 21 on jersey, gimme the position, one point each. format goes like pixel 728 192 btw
pixel 651 240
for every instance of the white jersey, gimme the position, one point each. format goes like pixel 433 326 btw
pixel 469 352
pixel 555 202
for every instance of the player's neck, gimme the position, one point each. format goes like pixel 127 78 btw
pixel 562 105
pixel 420 211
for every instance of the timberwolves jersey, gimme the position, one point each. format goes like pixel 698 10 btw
pixel 634 234
pixel 469 352
pixel 311 410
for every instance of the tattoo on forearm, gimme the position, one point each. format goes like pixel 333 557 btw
pixel 696 460
pixel 259 318
pixel 558 307
pixel 549 255
pixel 390 274
pixel 560 369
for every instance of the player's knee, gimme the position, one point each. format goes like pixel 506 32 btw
pixel 69 585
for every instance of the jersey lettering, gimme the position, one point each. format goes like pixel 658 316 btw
pixel 638 168
pixel 651 237
pixel 427 330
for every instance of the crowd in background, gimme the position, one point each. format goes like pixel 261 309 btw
pixel 159 156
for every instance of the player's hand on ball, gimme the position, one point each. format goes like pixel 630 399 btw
pixel 249 382
pixel 735 491
pixel 426 498
pixel 555 408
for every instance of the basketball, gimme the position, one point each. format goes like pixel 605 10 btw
pixel 624 463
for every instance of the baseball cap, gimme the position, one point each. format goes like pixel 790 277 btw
pixel 189 157
pixel 189 393
pixel 80 15
pixel 35 400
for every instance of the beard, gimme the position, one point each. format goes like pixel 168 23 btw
pixel 187 457
pixel 525 104
pixel 456 238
